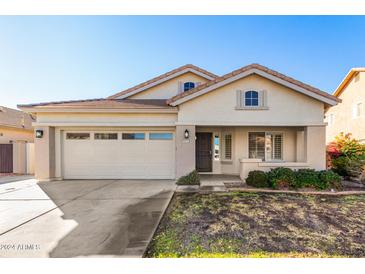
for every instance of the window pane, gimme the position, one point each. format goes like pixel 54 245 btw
pixel 228 146
pixel 78 136
pixel 254 95
pixel 247 102
pixel 188 85
pixel 277 147
pixel 216 147
pixel 254 102
pixel 133 136
pixel 160 136
pixel 256 145
pixel 106 136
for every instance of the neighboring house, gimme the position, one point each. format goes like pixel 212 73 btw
pixel 164 128
pixel 15 132
pixel 349 115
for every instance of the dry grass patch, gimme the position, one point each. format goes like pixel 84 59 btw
pixel 261 225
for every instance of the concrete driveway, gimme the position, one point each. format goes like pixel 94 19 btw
pixel 80 217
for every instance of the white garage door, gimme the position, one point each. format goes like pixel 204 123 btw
pixel 118 155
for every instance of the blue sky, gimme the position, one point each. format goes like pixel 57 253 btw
pixel 78 57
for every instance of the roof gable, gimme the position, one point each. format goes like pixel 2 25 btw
pixel 15 118
pixel 353 72
pixel 259 70
pixel 163 78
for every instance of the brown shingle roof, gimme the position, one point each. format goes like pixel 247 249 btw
pixel 104 104
pixel 167 74
pixel 246 68
pixel 15 118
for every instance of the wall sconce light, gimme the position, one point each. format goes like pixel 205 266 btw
pixel 186 134
pixel 39 133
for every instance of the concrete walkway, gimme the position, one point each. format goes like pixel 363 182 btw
pixel 79 218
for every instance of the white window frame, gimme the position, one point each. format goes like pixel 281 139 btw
pixel 223 147
pixel 266 158
pixel 331 119
pixel 241 100
pixel 357 110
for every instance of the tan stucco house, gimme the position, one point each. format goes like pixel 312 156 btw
pixel 349 115
pixel 16 133
pixel 186 119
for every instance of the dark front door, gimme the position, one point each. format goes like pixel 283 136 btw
pixel 203 152
pixel 6 158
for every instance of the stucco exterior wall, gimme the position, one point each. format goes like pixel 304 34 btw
pixel 343 120
pixel 14 135
pixel 45 154
pixel 169 88
pixel 285 106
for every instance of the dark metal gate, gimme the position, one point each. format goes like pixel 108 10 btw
pixel 6 158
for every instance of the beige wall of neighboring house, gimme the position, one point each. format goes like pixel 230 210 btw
pixel 349 115
pixel 16 129
pixel 8 134
pixel 289 110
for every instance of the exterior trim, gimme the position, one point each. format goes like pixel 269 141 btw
pixel 100 110
pixel 125 124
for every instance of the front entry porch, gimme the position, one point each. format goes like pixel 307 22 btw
pixel 240 149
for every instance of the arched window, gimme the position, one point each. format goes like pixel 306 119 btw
pixel 188 85
pixel 251 98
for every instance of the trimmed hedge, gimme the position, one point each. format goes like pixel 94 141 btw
pixel 307 178
pixel 282 177
pixel 190 179
pixel 330 179
pixel 257 178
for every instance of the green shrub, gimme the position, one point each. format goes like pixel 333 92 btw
pixel 307 177
pixel 330 179
pixel 257 178
pixel 281 177
pixel 190 179
pixel 347 155
pixel 349 167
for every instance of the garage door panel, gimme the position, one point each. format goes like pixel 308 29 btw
pixel 118 159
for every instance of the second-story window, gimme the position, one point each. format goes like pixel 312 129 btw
pixel 188 86
pixel 251 98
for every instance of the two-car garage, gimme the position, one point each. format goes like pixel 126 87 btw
pixel 118 154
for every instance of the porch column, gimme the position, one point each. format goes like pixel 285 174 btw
pixel 45 154
pixel 315 146
pixel 185 150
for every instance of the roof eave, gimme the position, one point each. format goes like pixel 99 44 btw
pixel 97 110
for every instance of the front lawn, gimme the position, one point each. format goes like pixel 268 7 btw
pixel 261 225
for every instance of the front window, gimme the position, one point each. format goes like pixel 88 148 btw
pixel 256 145
pixel 227 146
pixel 265 146
pixel 188 86
pixel 251 98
